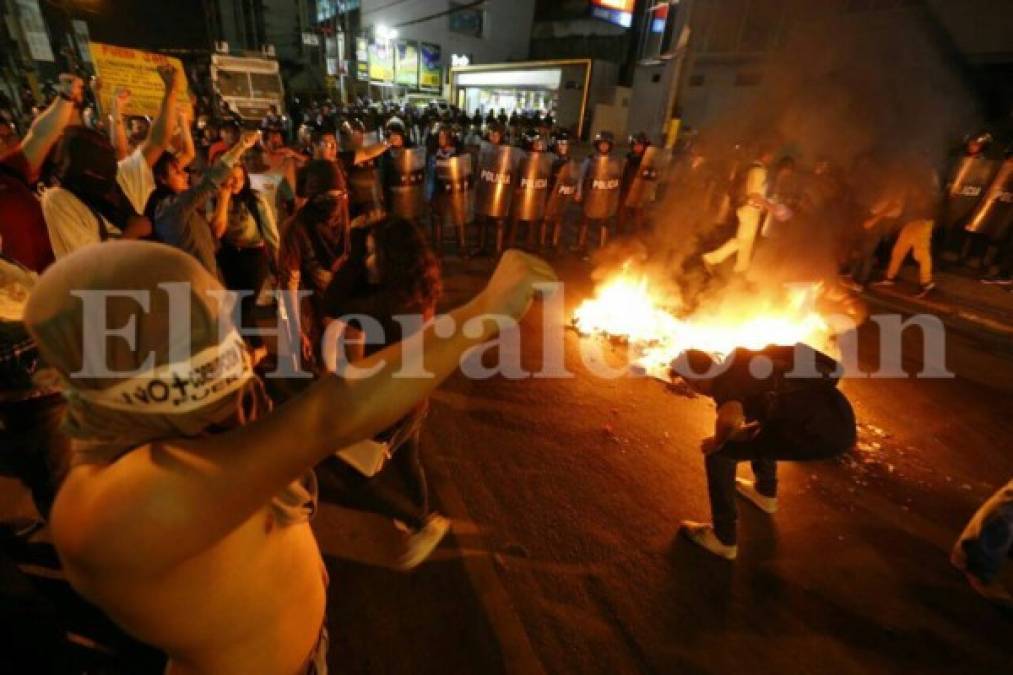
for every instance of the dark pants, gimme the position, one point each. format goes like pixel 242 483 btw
pixel 399 491
pixel 245 269
pixel 807 426
pixel 33 449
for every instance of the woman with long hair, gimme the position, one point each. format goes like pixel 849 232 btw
pixel 402 277
pixel 244 223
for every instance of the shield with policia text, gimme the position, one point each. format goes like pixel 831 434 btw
pixel 454 187
pixel 643 189
pixel 532 186
pixel 405 182
pixel 563 186
pixel 970 180
pixel 994 215
pixel 497 166
pixel 601 187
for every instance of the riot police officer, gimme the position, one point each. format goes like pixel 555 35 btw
pixel 403 171
pixel 631 213
pixel 564 178
pixel 362 167
pixel 496 169
pixel 449 187
pixel 601 178
pixel 531 189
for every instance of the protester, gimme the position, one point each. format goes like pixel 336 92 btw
pixel 921 205
pixel 401 279
pixel 178 211
pixel 750 203
pixel 315 243
pixel 985 545
pixel 793 412
pixel 245 225
pixel 228 137
pixel 230 578
pixel 23 234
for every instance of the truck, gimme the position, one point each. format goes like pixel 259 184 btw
pixel 249 84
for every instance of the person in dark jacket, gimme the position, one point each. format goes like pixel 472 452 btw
pixel 777 404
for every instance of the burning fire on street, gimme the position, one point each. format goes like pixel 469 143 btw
pixel 626 307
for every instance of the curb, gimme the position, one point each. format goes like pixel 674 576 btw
pixel 968 322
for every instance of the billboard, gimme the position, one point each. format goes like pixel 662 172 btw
pixel 361 59
pixel 381 62
pixel 406 63
pixel 430 67
pixel 135 70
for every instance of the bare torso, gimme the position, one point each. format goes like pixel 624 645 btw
pixel 253 603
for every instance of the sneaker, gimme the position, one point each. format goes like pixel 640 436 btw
pixel 925 289
pixel 884 282
pixel 422 543
pixel 702 534
pixel 997 280
pixel 992 591
pixel 747 490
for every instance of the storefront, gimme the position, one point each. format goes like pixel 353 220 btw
pixel 562 88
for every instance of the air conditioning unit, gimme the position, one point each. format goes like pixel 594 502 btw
pixel 267 50
pixel 222 47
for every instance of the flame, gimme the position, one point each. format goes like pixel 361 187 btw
pixel 626 307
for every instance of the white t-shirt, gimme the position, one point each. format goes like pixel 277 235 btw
pixel 72 225
pixel 267 185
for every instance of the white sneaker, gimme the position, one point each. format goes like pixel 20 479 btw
pixel 422 544
pixel 702 534
pixel 747 490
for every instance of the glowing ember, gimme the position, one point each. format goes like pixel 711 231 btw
pixel 625 307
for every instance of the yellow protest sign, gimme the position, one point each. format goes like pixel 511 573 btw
pixel 135 70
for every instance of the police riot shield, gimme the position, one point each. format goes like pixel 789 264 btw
pixel 643 189
pixel 562 187
pixel 496 169
pixel 994 215
pixel 365 193
pixel 532 186
pixel 601 187
pixel 405 181
pixel 454 187
pixel 970 180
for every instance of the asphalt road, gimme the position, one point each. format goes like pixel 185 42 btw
pixel 571 491
pixel 566 496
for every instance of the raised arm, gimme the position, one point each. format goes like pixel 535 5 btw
pixel 48 126
pixel 187 152
pixel 161 130
pixel 365 154
pixel 173 501
pixel 117 125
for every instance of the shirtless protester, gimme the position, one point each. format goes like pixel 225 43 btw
pixel 184 514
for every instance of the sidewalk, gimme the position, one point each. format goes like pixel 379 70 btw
pixel 963 303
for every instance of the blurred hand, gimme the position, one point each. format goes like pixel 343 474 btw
pixel 512 286
pixel 709 445
pixel 121 99
pixel 72 87
pixel 171 78
pixel 249 139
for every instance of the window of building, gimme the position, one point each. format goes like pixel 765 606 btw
pixel 466 21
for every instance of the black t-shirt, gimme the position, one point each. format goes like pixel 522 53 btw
pixel 739 383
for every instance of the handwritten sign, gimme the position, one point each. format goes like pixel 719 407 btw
pixel 135 70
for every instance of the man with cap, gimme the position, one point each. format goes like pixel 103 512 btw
pixel 184 516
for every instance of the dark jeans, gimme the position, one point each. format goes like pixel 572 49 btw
pixel 399 491
pixel 244 269
pixel 810 425
pixel 32 448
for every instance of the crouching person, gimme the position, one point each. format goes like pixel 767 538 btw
pixel 985 545
pixel 777 404
pixel 184 515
